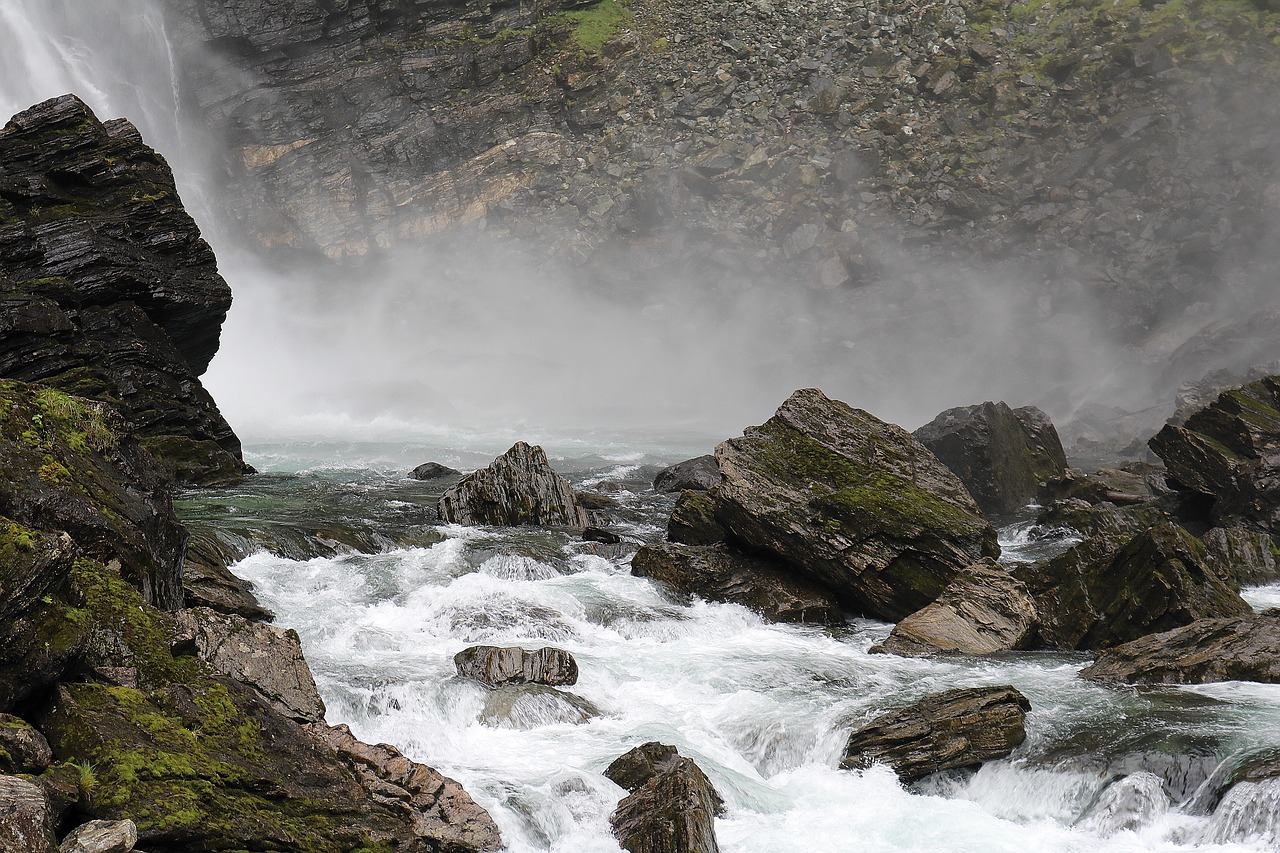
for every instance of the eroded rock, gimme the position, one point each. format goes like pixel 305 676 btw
pixel 498 666
pixel 671 804
pixel 22 748
pixel 101 836
pixel 25 824
pixel 518 488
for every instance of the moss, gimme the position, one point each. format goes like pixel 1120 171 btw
pixel 886 503
pixel 591 28
pixel 192 461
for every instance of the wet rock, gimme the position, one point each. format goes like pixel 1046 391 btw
pixel 984 610
pixel 498 666
pixel 24 817
pixel 1101 521
pixel 671 805
pixel 850 502
pixel 721 573
pixel 433 471
pixel 1003 456
pixel 1134 484
pixel 22 748
pixel 207 582
pixel 693 520
pixel 101 836
pixel 1242 648
pixel 1127 805
pixel 944 731
pixel 599 534
pixel 697 474
pixel 518 488
pixel 1246 556
pixel 530 706
pixel 594 501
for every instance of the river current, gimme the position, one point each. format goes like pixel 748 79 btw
pixel 764 709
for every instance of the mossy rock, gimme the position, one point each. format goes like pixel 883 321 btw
pixel 194 462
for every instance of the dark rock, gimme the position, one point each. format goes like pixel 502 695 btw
pixel 851 502
pixel 1102 592
pixel 22 748
pixel 529 706
pixel 693 520
pixel 671 804
pixel 433 471
pixel 594 501
pixel 944 731
pixel 518 488
pixel 207 582
pixel 698 474
pixel 1241 648
pixel 1003 456
pixel 1134 484
pixel 25 823
pixel 101 836
pixel 598 534
pixel 721 573
pixel 984 610
pixel 1100 521
pixel 1246 557
pixel 497 666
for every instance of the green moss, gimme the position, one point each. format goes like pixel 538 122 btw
pixel 885 503
pixel 591 28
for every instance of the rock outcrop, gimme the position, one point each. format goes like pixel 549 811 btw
pixel 1243 648
pixel 518 488
pixel 1247 557
pixel 108 290
pixel 697 474
pixel 945 731
pixel 1004 456
pixel 719 573
pixel 671 804
pixel 498 666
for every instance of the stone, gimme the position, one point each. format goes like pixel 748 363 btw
pixel 433 471
pixel 22 748
pixel 1240 648
pixel 850 502
pixel 595 501
pixel 1004 457
pixel 984 610
pixel 671 805
pixel 518 488
pixel 207 582
pixel 697 474
pixel 599 534
pixel 530 706
pixel 1245 556
pixel 25 823
pixel 498 666
pixel 693 520
pixel 721 573
pixel 101 836
pixel 943 731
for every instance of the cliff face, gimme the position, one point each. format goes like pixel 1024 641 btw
pixel 107 289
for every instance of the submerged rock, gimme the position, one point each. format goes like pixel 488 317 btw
pixel 671 805
pixel 698 475
pixel 944 731
pixel 101 836
pixel 499 666
pixel 518 488
pixel 1243 648
pixel 530 706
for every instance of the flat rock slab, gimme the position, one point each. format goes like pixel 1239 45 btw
pixel 671 805
pixel 498 666
pixel 943 731
pixel 1245 648
pixel 518 488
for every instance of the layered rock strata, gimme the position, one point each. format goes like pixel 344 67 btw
pixel 1243 648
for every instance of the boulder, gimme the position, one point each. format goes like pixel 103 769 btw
pixel 1226 458
pixel 530 706
pixel 498 666
pixel 25 823
pixel 22 748
pixel 594 501
pixel 698 475
pixel 207 582
pixel 693 520
pixel 1104 592
pixel 944 731
pixel 433 471
pixel 721 573
pixel 1004 456
pixel 850 502
pixel 985 609
pixel 1245 556
pixel 599 534
pixel 518 488
pixel 101 836
pixel 1241 648
pixel 671 805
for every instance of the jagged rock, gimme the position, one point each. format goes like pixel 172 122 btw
pixel 1248 557
pixel 943 731
pixel 1241 648
pixel 530 706
pixel 851 502
pixel 207 582
pixel 497 666
pixel 267 658
pixel 1227 457
pixel 518 488
pixel 433 471
pixel 693 520
pixel 22 748
pixel 1134 484
pixel 721 573
pixel 1104 592
pixel 1004 456
pixel 101 836
pixel 671 804
pixel 111 292
pixel 1100 521
pixel 697 474
pixel 985 609
pixel 25 824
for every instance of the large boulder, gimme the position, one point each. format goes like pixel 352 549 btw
pixel 697 474
pixel 1242 648
pixel 1105 592
pixel 101 836
pixel 720 573
pixel 671 805
pixel 1004 456
pixel 944 731
pixel 851 502
pixel 499 666
pixel 985 609
pixel 1226 458
pixel 110 291
pixel 518 488
pixel 433 471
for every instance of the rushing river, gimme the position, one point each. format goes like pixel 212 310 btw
pixel 764 709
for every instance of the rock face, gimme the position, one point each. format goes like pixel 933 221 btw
pixel 719 573
pixel 984 610
pixel 1226 457
pixel 101 836
pixel 1247 556
pixel 108 290
pixel 518 488
pixel 671 804
pixel 850 502
pixel 1004 456
pixel 698 474
pixel 944 731
pixel 497 666
pixel 1243 648
pixel 1102 593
